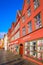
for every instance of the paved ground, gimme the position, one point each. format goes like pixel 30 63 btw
pixel 8 58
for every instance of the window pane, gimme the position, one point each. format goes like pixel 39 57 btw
pixel 36 3
pixel 29 12
pixel 38 23
pixel 28 1
pixel 27 48
pixel 29 27
pixel 23 18
pixel 24 31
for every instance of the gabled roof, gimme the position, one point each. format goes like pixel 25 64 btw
pixel 18 15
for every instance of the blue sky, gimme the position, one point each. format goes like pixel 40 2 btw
pixel 8 9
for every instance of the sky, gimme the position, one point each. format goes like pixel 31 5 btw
pixel 8 10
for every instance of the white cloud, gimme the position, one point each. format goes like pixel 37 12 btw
pixel 2 34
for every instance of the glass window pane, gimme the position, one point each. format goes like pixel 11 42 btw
pixel 29 12
pixel 36 3
pixel 38 23
pixel 29 27
pixel 23 18
pixel 28 1
pixel 24 31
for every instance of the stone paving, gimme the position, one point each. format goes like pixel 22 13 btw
pixel 8 58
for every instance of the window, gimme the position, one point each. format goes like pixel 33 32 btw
pixel 23 18
pixel 33 48
pixel 27 49
pixel 17 27
pixel 28 1
pixel 29 12
pixel 40 49
pixel 38 23
pixel 17 35
pixel 24 31
pixel 29 27
pixel 13 38
pixel 13 32
pixel 36 4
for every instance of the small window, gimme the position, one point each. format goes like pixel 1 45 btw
pixel 29 27
pixel 23 18
pixel 23 31
pixel 38 23
pixel 28 1
pixel 36 4
pixel 29 11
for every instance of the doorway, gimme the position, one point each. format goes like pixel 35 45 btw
pixel 21 50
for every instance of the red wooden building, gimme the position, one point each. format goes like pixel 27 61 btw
pixel 26 35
